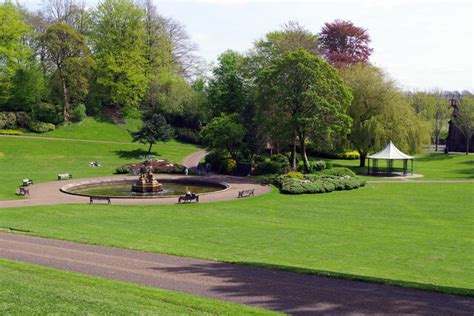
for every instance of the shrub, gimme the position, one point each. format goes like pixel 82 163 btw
pixel 230 165
pixel 7 120
pixel 48 113
pixel 122 170
pixel 294 175
pixel 280 158
pixel 315 183
pixel 269 167
pixel 216 159
pixel 78 114
pixel 41 127
pixel 338 171
pixel 10 132
pixel 187 135
pixel 23 120
pixel 328 164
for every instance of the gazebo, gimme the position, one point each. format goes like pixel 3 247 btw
pixel 390 153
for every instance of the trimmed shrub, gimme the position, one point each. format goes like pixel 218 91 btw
pixel 294 175
pixel 217 160
pixel 269 167
pixel 41 127
pixel 230 165
pixel 7 120
pixel 48 113
pixel 280 158
pixel 338 171
pixel 23 120
pixel 315 183
pixel 10 132
pixel 78 114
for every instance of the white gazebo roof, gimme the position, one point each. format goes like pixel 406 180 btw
pixel 390 152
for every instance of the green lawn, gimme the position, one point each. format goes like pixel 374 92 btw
pixel 92 128
pixel 42 159
pixel 432 166
pixel 419 233
pixel 30 290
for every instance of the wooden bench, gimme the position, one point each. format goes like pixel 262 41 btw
pixel 245 193
pixel 27 182
pixel 100 198
pixel 24 191
pixel 64 176
pixel 188 198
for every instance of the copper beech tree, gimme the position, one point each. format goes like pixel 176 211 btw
pixel 344 44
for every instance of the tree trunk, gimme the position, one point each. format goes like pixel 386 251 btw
pixel 362 157
pixel 293 155
pixel 303 152
pixel 467 146
pixel 65 97
pixel 436 142
pixel 149 148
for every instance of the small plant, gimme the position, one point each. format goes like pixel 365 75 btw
pixel 269 167
pixel 41 127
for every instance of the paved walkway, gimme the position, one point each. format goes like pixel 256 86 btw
pixel 271 289
pixel 48 193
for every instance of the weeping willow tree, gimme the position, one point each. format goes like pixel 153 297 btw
pixel 380 113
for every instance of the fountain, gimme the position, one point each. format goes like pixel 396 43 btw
pixel 146 182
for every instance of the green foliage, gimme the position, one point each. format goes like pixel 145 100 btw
pixel 280 158
pixel 317 183
pixel 338 171
pixel 10 132
pixel 223 133
pixel 78 114
pixel 13 50
pixel 7 120
pixel 187 135
pixel 28 87
pixel 49 113
pixel 154 129
pixel 269 167
pixel 118 43
pixel 226 90
pixel 294 175
pixel 67 50
pixel 41 127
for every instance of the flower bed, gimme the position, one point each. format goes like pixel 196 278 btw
pixel 157 166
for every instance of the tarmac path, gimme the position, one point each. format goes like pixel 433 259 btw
pixel 277 290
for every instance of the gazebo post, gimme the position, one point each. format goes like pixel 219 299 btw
pixel 368 165
pixel 405 167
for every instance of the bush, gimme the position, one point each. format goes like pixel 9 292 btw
pixel 41 127
pixel 7 120
pixel 122 169
pixel 23 120
pixel 216 159
pixel 187 135
pixel 320 184
pixel 230 165
pixel 48 113
pixel 338 171
pixel 10 132
pixel 280 158
pixel 78 114
pixel 269 167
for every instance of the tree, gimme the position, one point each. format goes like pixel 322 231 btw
pixel 464 119
pixel 226 89
pixel 344 44
pixel 13 51
pixel 68 52
pixel 118 43
pixel 224 133
pixel 308 93
pixel 154 129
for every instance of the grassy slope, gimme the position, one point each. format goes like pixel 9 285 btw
pixel 42 159
pixel 27 289
pixel 406 232
pixel 92 128
pixel 432 166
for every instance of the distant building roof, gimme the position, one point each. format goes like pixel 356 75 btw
pixel 390 152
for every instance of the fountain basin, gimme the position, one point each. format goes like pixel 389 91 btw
pixel 122 188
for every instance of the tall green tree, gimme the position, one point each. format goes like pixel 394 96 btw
pixel 13 50
pixel 464 119
pixel 307 92
pixel 118 41
pixel 154 129
pixel 68 52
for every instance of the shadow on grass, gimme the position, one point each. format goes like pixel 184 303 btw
pixel 135 154
pixel 279 288
pixel 435 157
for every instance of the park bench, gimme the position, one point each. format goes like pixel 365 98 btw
pixel 27 182
pixel 188 198
pixel 23 191
pixel 100 198
pixel 64 176
pixel 245 193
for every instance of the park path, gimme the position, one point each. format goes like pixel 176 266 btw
pixel 277 290
pixel 68 139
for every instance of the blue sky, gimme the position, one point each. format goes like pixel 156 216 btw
pixel 422 44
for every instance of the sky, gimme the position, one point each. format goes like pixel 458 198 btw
pixel 421 44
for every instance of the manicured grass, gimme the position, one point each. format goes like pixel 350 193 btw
pixel 27 289
pixel 42 159
pixel 91 128
pixel 432 166
pixel 409 232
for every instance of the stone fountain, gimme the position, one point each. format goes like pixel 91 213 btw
pixel 147 183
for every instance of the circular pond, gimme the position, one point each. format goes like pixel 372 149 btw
pixel 123 188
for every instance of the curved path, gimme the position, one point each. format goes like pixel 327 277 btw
pixel 48 193
pixel 288 292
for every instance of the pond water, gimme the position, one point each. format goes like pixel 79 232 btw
pixel 169 189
